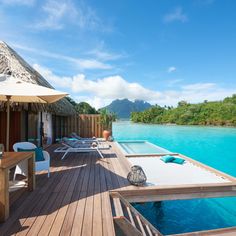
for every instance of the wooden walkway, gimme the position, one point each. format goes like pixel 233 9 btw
pixel 73 201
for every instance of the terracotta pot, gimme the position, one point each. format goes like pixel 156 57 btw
pixel 106 134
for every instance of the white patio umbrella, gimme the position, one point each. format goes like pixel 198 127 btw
pixel 14 90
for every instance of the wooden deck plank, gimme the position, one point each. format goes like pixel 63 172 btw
pixel 43 203
pixel 106 184
pixel 57 173
pixel 79 215
pixel 97 208
pixel 120 175
pixel 113 177
pixel 88 214
pixel 69 218
pixel 37 225
pixel 46 227
pixel 41 219
pixel 50 217
pixel 13 224
pixel 68 191
pixel 80 209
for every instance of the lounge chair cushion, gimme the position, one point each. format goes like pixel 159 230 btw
pixel 38 153
pixel 167 159
pixel 178 160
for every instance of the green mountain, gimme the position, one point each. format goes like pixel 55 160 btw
pixel 82 107
pixel 206 113
pixel 123 108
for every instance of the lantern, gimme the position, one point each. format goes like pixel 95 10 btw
pixel 137 176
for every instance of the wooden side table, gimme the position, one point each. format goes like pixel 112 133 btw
pixel 9 160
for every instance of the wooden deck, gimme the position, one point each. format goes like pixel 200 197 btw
pixel 75 200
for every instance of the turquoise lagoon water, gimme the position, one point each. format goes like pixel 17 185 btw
pixel 214 146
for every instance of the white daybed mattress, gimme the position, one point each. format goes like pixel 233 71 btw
pixel 160 173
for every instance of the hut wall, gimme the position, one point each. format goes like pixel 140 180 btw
pixel 58 127
pixel 24 126
pixel 47 128
pixel 15 128
pixel 32 128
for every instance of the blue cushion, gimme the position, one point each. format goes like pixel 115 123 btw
pixel 38 153
pixel 167 159
pixel 178 160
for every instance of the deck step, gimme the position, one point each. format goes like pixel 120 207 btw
pixel 130 221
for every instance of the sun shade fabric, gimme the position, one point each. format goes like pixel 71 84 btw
pixel 27 92
pixel 167 159
pixel 38 152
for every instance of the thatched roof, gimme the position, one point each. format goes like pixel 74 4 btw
pixel 12 64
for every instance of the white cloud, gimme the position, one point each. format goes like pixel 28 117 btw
pixel 174 82
pixel 199 86
pixel 176 15
pixel 195 93
pixel 54 80
pixel 79 62
pixel 56 14
pixel 91 64
pixel 18 2
pixel 101 92
pixel 87 17
pixel 102 53
pixel 204 91
pixel 94 101
pixel 171 69
pixel 105 89
pixel 59 13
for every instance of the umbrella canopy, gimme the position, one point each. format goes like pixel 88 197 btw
pixel 13 90
pixel 27 92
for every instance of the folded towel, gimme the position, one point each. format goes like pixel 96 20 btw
pixel 167 158
pixel 178 160
pixel 172 159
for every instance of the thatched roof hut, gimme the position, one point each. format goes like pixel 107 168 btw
pixel 12 64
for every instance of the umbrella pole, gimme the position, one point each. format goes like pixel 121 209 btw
pixel 41 130
pixel 8 123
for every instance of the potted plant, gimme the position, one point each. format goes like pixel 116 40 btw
pixel 106 119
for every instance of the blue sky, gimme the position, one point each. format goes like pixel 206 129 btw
pixel 162 51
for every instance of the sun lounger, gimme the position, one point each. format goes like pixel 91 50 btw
pixel 74 146
pixel 73 142
pixel 76 136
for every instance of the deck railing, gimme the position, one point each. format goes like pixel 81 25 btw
pixel 129 220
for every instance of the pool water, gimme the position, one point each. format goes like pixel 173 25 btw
pixel 214 146
pixel 140 147
pixel 194 215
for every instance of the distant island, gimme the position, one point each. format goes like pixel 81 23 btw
pixel 220 113
pixel 124 107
